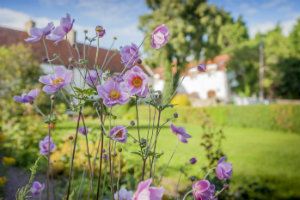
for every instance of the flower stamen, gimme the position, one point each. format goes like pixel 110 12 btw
pixel 137 81
pixel 114 94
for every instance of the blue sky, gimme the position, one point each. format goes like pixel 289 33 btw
pixel 120 17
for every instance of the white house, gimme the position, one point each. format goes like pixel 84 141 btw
pixel 212 84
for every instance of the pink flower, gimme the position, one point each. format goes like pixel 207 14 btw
pixel 160 37
pixel 25 98
pixel 203 190
pixel 54 82
pixel 224 169
pixel 61 31
pixel 123 194
pixel 113 93
pixel 180 132
pixel 44 146
pixel 137 82
pixel 37 188
pixel 145 192
pixel 119 133
pixel 37 33
pixel 129 54
pixel 92 77
pixel 100 31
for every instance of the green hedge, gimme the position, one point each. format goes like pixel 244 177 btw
pixel 273 117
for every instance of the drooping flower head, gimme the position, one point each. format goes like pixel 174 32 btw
pixel 123 194
pixel 37 188
pixel 119 133
pixel 180 132
pixel 145 192
pixel 160 37
pixel 201 67
pixel 100 31
pixel 203 190
pixel 37 33
pixel 129 54
pixel 137 82
pixel 113 93
pixel 25 98
pixel 54 82
pixel 224 169
pixel 44 146
pixel 92 77
pixel 58 34
pixel 83 130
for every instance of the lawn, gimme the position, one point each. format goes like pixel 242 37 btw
pixel 269 157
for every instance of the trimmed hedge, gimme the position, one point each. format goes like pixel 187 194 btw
pixel 273 117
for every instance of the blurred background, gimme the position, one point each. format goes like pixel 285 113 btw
pixel 245 105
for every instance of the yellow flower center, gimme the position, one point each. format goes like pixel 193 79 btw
pixel 56 81
pixel 137 81
pixel 114 94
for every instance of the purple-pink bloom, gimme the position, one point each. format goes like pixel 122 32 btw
pixel 145 192
pixel 25 98
pixel 203 190
pixel 113 93
pixel 119 133
pixel 180 132
pixel 160 36
pixel 44 146
pixel 92 77
pixel 100 31
pixel 118 78
pixel 58 34
pixel 201 67
pixel 224 169
pixel 83 130
pixel 37 188
pixel 193 160
pixel 137 82
pixel 54 82
pixel 123 194
pixel 37 33
pixel 129 54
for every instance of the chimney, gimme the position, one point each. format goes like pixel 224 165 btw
pixel 72 37
pixel 28 25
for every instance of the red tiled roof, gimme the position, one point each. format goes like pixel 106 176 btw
pixel 9 37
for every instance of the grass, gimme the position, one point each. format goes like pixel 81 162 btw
pixel 269 157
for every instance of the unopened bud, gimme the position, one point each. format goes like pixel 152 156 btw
pixel 193 178
pixel 150 86
pixel 115 38
pixel 175 115
pixel 144 140
pixel 95 104
pixel 132 123
pixel 71 59
pixel 105 156
pixel 120 149
pixel 52 97
pixel 73 45
pixel 115 154
pixel 45 59
pixel 70 67
pixel 139 61
pixel 70 137
pixel 85 31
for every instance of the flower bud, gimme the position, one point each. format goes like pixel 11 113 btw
pixel 132 123
pixel 70 137
pixel 225 186
pixel 115 154
pixel 105 156
pixel 149 86
pixel 193 160
pixel 175 115
pixel 103 150
pixel 139 61
pixel 144 140
pixel 193 178
pixel 85 31
pixel 120 149
pixel 95 104
pixel 201 67
pixel 52 97
pixel 115 38
pixel 71 59
pixel 70 67
pixel 73 45
pixel 45 59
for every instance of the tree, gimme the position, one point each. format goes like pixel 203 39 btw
pixel 194 25
pixel 294 39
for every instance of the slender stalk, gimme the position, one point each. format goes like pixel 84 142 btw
pixel 82 180
pixel 119 174
pixel 208 173
pixel 187 194
pixel 168 162
pixel 73 155
pixel 52 180
pixel 181 172
pixel 101 150
pixel 49 137
pixel 155 141
pixel 96 57
pixel 104 181
pixel 110 161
